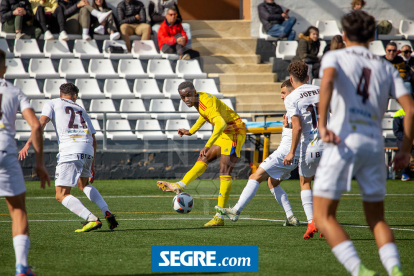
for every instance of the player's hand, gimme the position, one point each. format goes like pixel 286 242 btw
pixel 285 121
pixel 328 136
pixel 24 152
pixel 92 179
pixel 401 160
pixel 183 131
pixel 288 159
pixel 203 152
pixel 43 175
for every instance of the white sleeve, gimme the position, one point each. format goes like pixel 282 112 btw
pixel 328 61
pixel 397 84
pixel 24 101
pixel 89 123
pixel 48 110
pixel 291 107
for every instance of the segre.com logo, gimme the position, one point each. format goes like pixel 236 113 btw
pixel 205 258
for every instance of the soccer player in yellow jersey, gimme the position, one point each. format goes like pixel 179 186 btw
pixel 225 143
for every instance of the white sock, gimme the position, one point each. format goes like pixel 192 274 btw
pixel 346 254
pixel 182 184
pixel 220 216
pixel 282 199
pixel 85 31
pixel 93 194
pixel 389 256
pixel 306 196
pixel 21 244
pixel 76 206
pixel 248 193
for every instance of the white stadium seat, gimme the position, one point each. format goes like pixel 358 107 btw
pixel 97 127
pixel 144 49
pixel 115 43
pixel 170 88
pixel 131 69
pixel 189 69
pixel 189 116
pixel 172 127
pixel 286 50
pixel 149 130
pixel 165 105
pixel 42 68
pixel 89 89
pixel 208 86
pixel 5 47
pixel 387 131
pixel 80 103
pixel 133 105
pixel 27 48
pixel 316 82
pixel 86 49
pixel 72 68
pixel 147 89
pixel 321 48
pixel 205 131
pixel 394 34
pixel 15 69
pixel 30 88
pixel 377 48
pixel 160 69
pixel 51 87
pixel 228 103
pixel 262 34
pixel 104 105
pixel 393 105
pixel 407 29
pixel 22 130
pixel 102 69
pixel 117 89
pixel 57 49
pixel 401 43
pixel 327 29
pixel 37 105
pixel 125 134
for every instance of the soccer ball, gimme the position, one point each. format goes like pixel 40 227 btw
pixel 183 203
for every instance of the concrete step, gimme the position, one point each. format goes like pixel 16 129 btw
pixel 236 78
pixel 231 59
pixel 258 97
pixel 241 106
pixel 238 68
pixel 225 46
pixel 219 28
pixel 272 87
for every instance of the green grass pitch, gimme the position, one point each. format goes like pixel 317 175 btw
pixel 146 218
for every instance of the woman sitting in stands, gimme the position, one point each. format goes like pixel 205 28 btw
pixel 308 49
pixel 109 25
pixel 49 17
pixel 335 44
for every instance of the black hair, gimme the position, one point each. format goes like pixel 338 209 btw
pixel 359 26
pixel 307 32
pixel 69 89
pixel 392 44
pixel 186 84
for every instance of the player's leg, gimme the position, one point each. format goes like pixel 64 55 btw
pixel 283 200
pixel 307 203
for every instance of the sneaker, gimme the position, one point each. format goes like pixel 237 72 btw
pixel 170 187
pixel 363 271
pixel 291 221
pixel 216 221
pixel 396 271
pixel 110 218
pixel 22 36
pixel 48 36
pixel 102 17
pixel 185 57
pixel 89 226
pixel 100 30
pixel 114 36
pixel 86 37
pixel 63 36
pixel 231 213
pixel 405 177
pixel 24 271
pixel 310 231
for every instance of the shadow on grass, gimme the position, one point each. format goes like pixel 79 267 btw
pixel 188 228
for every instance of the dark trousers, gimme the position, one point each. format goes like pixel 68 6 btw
pixel 179 49
pixel 17 23
pixel 406 170
pixel 56 20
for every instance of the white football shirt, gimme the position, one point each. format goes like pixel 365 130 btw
pixel 362 87
pixel 286 140
pixel 12 99
pixel 73 126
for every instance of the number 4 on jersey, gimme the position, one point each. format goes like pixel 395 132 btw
pixel 364 84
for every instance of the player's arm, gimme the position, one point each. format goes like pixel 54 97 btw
pixel 219 126
pixel 200 122
pixel 95 146
pixel 43 122
pixel 296 132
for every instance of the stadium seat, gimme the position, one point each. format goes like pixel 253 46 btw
pixel 131 69
pixel 160 69
pixel 316 82
pixel 147 89
pixel 72 68
pixel 80 103
pixel 144 49
pixel 6 35
pixel 208 86
pixel 115 43
pixel 124 132
pixel 22 130
pixel 49 132
pixel 51 87
pixel 262 34
pixel 394 34
pixel 30 88
pixel 286 50
pixel 189 69
pixel 327 29
pixel 104 105
pixel 387 131
pixel 133 105
pixel 170 56
pixel 407 29
pixel 393 105
pixel 27 48
pixel 42 68
pixel 164 105
pixel 170 88
pixel 86 49
pixel 377 47
pixel 57 49
pixel 89 89
pixel 228 103
pixel 172 127
pixel 15 69
pixel 98 135
pixel 149 130
pixel 321 48
pixel 37 105
pixel 401 43
pixel 5 47
pixel 102 69
pixel 189 116
pixel 117 89
pixel 205 131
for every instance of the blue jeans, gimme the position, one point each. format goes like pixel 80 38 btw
pixel 186 27
pixel 284 28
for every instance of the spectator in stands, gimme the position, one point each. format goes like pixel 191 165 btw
pixel 47 13
pixel 357 5
pixel 133 18
pixel 399 64
pixel 109 25
pixel 335 44
pixel 398 129
pixel 16 16
pixel 172 38
pixel 406 52
pixel 78 16
pixel 276 22
pixel 308 49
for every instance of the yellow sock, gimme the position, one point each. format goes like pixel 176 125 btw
pixel 196 171
pixel 226 182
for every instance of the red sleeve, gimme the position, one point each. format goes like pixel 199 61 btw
pixel 164 37
pixel 183 33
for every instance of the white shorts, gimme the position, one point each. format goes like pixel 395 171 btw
pixel 273 164
pixel 339 164
pixel 11 175
pixel 68 172
pixel 309 161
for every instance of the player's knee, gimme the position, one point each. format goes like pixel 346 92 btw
pixel 59 197
pixel 258 177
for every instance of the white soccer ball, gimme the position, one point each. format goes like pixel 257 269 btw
pixel 183 203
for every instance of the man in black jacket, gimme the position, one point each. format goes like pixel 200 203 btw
pixel 276 22
pixel 15 15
